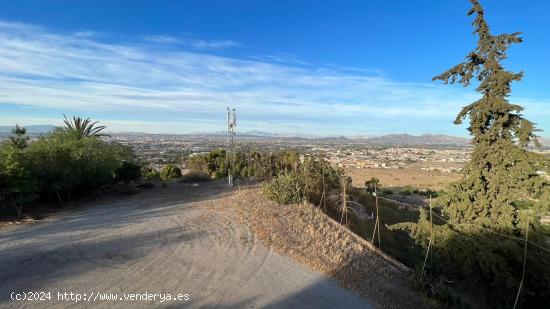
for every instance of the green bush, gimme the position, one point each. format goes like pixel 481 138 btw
pixel 286 188
pixel 150 174
pixel 372 184
pixel 58 166
pixel 169 172
pixel 262 165
pixel 428 192
pixel 66 166
pixel 406 191
pixel 17 184
pixel 128 171
pixel 317 176
pixel 387 192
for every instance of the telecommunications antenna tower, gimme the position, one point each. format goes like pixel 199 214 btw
pixel 231 124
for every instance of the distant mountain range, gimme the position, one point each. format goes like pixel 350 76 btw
pixel 389 139
pixel 425 139
pixel 258 134
pixel 545 141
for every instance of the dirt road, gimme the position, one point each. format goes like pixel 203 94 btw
pixel 164 240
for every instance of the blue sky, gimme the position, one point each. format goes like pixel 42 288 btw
pixel 310 67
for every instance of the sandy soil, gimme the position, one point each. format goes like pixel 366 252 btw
pixel 163 240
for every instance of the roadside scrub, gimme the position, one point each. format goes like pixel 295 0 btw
pixel 59 166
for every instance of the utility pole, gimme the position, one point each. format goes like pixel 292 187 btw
pixel 231 124
pixel 344 201
pixel 376 229
pixel 430 243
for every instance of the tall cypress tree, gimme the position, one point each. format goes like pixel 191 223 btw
pixel 501 171
pixel 502 188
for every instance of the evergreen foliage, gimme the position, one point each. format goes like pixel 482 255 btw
pixel 18 139
pixel 150 174
pixel 502 189
pixel 261 165
pixel 17 184
pixel 308 179
pixel 372 184
pixel 170 172
pixel 287 188
pixel 128 171
pixel 58 166
pixel 67 165
pixel 312 179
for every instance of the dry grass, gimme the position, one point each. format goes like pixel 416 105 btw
pixel 310 237
pixel 414 177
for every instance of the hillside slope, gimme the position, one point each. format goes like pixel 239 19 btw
pixel 314 239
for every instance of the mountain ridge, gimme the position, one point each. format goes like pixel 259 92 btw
pixel 387 139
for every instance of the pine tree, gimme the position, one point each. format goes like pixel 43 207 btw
pixel 18 139
pixel 502 187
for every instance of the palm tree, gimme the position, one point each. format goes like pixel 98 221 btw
pixel 82 127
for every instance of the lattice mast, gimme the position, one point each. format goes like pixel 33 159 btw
pixel 231 125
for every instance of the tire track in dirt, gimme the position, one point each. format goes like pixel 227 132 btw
pixel 313 239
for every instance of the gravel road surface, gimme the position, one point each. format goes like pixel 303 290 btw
pixel 158 242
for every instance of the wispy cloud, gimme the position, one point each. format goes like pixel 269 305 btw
pixel 86 34
pixel 213 43
pixel 134 86
pixel 191 42
pixel 162 39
